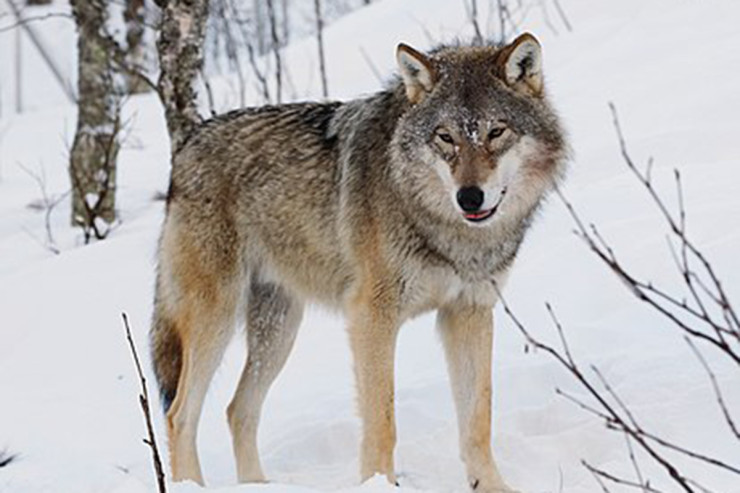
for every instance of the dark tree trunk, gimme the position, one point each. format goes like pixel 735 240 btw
pixel 180 48
pixel 92 164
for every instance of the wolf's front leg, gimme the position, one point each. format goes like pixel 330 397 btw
pixel 467 334
pixel 373 327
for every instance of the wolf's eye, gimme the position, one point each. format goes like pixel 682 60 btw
pixel 495 133
pixel 445 137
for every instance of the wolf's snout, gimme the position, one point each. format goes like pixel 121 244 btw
pixel 470 199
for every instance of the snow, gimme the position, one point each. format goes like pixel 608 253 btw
pixel 68 387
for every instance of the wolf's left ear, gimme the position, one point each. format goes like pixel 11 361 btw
pixel 523 64
pixel 417 72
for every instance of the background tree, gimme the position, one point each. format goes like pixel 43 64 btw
pixel 92 165
pixel 134 15
pixel 180 49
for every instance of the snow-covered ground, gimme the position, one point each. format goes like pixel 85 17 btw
pixel 68 389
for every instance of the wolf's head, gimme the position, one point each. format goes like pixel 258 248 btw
pixel 479 140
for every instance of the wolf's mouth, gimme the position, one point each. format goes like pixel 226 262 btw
pixel 480 216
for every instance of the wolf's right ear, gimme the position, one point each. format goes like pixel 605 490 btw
pixel 417 72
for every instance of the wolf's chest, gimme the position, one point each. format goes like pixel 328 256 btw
pixel 432 283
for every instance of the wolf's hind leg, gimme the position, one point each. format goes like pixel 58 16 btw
pixel 273 317
pixel 201 357
pixel 467 335
pixel 198 290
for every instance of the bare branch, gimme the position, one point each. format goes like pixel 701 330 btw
pixel 209 92
pixel 612 416
pixel 717 391
pixel 697 321
pixel 642 290
pixel 472 11
pixel 27 20
pixel 48 59
pixel 276 51
pixel 635 465
pixel 251 56
pixel 320 41
pixel 561 12
pixel 151 441
pixel 502 13
pixel 601 474
pixel 674 226
pixel 48 203
pixel 6 458
pixel 370 64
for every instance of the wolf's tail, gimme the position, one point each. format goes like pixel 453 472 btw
pixel 166 351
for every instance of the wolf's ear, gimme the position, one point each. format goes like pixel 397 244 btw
pixel 417 72
pixel 523 65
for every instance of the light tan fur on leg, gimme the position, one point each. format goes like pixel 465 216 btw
pixel 205 332
pixel 201 302
pixel 373 327
pixel 467 334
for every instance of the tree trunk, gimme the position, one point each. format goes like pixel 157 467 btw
pixel 180 48
pixel 134 17
pixel 92 164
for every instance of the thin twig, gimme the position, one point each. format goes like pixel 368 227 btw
pixel 608 405
pixel 48 204
pixel 599 473
pixel 472 11
pixel 26 20
pixel 611 415
pixel 209 92
pixel 370 64
pixel 502 13
pixel 320 43
pixel 276 51
pixel 564 17
pixel 674 226
pixel 144 402
pixel 263 86
pixel 717 391
pixel 635 465
pixel 6 458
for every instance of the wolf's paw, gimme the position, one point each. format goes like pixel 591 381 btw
pixel 252 475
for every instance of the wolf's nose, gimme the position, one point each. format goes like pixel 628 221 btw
pixel 470 198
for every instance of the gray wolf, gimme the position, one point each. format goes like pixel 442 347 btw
pixel 413 199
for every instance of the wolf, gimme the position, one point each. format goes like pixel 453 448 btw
pixel 413 199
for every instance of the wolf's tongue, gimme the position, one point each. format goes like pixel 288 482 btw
pixel 476 215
